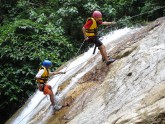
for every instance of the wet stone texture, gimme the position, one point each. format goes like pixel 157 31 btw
pixel 129 91
pixel 132 89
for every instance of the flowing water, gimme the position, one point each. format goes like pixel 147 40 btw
pixel 38 106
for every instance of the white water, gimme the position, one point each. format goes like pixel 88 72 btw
pixel 38 103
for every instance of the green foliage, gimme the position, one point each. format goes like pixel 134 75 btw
pixel 24 45
pixel 34 30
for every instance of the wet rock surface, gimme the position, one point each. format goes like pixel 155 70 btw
pixel 129 91
pixel 132 89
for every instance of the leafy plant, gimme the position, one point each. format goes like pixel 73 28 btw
pixel 34 30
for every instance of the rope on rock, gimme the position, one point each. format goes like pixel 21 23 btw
pixel 83 43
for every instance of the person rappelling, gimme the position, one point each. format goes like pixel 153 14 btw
pixel 42 78
pixel 90 34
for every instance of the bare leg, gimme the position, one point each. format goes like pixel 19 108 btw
pixel 103 52
pixel 104 55
pixel 52 98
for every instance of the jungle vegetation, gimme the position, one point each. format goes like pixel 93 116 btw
pixel 34 30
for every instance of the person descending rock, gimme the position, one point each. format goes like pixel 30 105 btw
pixel 90 34
pixel 42 78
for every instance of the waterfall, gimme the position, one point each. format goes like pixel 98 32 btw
pixel 38 105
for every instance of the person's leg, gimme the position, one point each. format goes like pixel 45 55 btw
pixel 52 98
pixel 102 49
pixel 103 52
pixel 48 90
pixel 104 55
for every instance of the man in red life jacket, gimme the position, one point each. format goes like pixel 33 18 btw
pixel 42 78
pixel 90 33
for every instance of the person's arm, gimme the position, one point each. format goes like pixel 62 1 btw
pixel 108 23
pixel 85 37
pixel 55 73
pixel 86 26
pixel 39 74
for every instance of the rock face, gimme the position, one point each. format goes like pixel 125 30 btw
pixel 129 91
pixel 132 89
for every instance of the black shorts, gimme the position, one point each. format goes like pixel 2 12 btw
pixel 95 40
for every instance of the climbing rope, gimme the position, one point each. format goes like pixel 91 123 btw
pixel 87 60
pixel 110 26
pixel 29 113
pixel 142 13
pixel 81 47
pixel 70 62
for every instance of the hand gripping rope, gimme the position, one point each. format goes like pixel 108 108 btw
pixel 95 48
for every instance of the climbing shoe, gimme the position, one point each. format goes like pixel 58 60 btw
pixel 110 61
pixel 104 59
